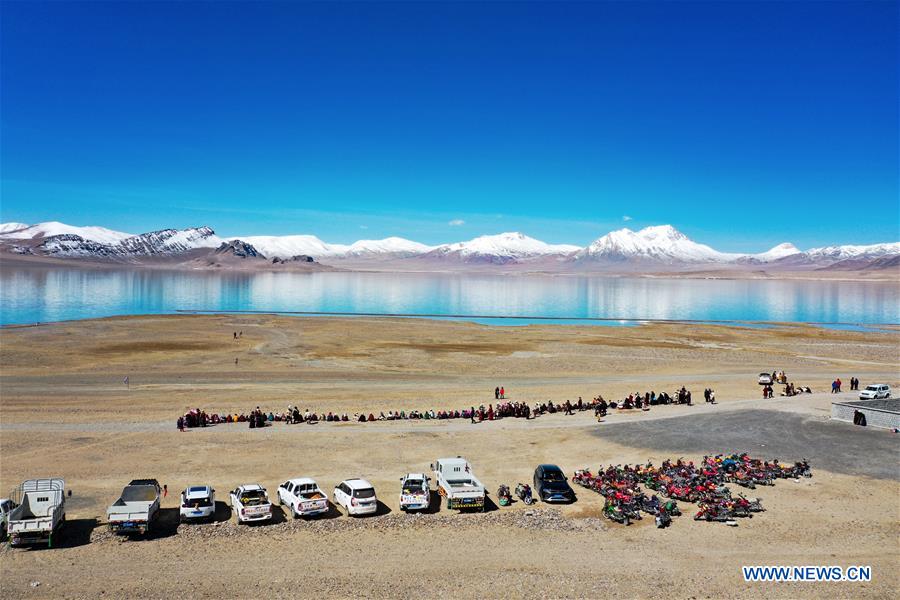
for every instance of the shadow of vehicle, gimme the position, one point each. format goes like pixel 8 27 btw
pixel 489 504
pixel 278 516
pixel 434 505
pixel 223 512
pixel 75 533
pixel 383 509
pixel 166 525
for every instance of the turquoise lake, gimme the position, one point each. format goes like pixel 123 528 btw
pixel 29 295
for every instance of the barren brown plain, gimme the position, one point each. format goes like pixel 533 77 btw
pixel 65 411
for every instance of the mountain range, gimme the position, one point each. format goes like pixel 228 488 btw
pixel 659 248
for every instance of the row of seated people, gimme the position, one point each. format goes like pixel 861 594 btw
pixel 199 418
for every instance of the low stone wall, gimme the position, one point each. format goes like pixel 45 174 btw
pixel 878 413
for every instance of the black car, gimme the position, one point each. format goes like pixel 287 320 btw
pixel 551 485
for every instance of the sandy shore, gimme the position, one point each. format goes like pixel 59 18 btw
pixel 64 411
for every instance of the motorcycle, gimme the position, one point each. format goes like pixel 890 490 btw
pixel 753 504
pixel 615 513
pixel 713 512
pixel 650 505
pixel 523 491
pixel 671 508
pixel 504 497
pixel 584 478
pixel 663 519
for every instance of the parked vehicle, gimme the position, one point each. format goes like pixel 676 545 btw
pixel 614 512
pixel 198 502
pixel 357 496
pixel 415 493
pixel 137 509
pixel 523 491
pixel 875 391
pixel 304 497
pixel 765 379
pixel 504 496
pixel 550 484
pixel 6 506
pixel 38 511
pixel 250 503
pixel 457 483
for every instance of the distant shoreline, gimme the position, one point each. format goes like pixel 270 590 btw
pixel 16 262
pixel 523 320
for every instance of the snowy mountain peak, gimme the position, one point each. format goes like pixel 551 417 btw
pixel 779 251
pixel 661 232
pixel 501 248
pixel 391 246
pixel 10 227
pixel 850 251
pixel 51 228
pixel 661 243
pixel 286 246
pixel 170 241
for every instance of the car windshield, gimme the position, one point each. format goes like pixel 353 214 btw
pixel 253 498
pixel 872 388
pixel 364 493
pixel 553 476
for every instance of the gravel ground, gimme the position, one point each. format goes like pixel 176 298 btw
pixel 829 445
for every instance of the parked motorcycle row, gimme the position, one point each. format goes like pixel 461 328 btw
pixel 686 482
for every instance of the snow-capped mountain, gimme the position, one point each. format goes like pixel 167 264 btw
pixel 45 239
pixel 393 246
pixel 836 253
pixel 297 245
pixel 501 248
pixel 285 246
pixel 10 227
pixel 658 248
pixel 52 228
pixel 662 243
pixel 778 252
pixel 169 241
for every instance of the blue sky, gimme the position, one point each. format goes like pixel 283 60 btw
pixel 743 124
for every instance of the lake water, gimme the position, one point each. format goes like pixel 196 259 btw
pixel 41 295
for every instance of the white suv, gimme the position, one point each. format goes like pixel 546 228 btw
pixel 357 496
pixel 198 502
pixel 875 391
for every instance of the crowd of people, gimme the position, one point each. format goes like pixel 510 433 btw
pixel 644 401
pixel 502 410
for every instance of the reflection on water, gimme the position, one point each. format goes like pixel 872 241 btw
pixel 36 295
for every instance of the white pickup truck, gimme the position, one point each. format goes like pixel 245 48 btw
pixel 250 503
pixel 137 509
pixel 303 496
pixel 415 494
pixel 457 483
pixel 40 510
